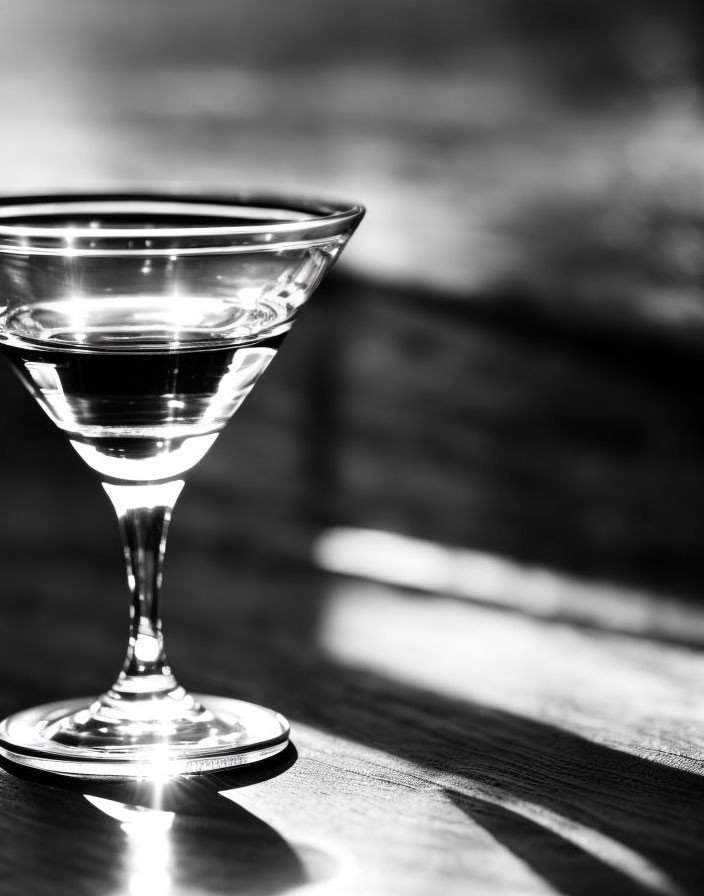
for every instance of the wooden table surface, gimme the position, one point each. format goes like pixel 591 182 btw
pixel 485 629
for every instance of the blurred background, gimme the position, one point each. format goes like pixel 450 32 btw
pixel 496 395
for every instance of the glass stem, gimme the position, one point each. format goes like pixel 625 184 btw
pixel 144 512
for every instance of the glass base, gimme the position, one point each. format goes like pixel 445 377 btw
pixel 87 738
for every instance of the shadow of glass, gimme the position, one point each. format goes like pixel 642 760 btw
pixel 112 836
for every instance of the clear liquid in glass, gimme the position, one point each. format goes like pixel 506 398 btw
pixel 142 385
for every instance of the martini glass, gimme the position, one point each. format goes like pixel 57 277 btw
pixel 140 323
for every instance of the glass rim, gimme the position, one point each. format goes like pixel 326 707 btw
pixel 310 214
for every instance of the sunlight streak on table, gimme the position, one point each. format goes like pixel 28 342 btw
pixel 459 572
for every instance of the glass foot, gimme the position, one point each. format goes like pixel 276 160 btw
pixel 90 738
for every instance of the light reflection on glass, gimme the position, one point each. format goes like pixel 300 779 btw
pixel 47 380
pixel 244 371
